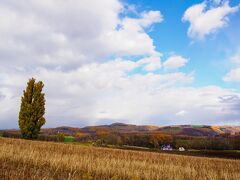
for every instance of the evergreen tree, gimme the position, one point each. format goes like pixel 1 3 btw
pixel 32 110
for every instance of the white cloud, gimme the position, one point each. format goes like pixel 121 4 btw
pixel 175 62
pixel 81 51
pixel 235 59
pixel 130 38
pixel 97 92
pixel 233 75
pixel 84 94
pixel 67 34
pixel 205 20
pixel 181 113
pixel 151 63
pixel 72 43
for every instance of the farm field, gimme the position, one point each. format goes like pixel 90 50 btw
pixel 226 154
pixel 25 159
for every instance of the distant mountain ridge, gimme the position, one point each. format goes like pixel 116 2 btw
pixel 187 130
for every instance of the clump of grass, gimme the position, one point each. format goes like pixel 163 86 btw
pixel 24 159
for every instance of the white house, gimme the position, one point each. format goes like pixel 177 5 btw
pixel 181 149
pixel 166 147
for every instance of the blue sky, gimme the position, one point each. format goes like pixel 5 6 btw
pixel 132 61
pixel 208 57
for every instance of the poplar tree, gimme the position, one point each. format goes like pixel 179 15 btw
pixel 32 110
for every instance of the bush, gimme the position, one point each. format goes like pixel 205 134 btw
pixel 61 137
pixel 11 134
pixel 48 138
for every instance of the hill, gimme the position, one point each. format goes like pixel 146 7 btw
pixel 186 130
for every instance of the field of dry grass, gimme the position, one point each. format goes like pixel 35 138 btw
pixel 21 159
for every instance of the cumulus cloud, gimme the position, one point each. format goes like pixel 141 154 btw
pixel 1 96
pixel 84 94
pixel 98 65
pixel 54 33
pixel 174 62
pixel 231 105
pixel 234 74
pixel 99 92
pixel 181 113
pixel 235 59
pixel 69 43
pixel 130 38
pixel 151 63
pixel 234 100
pixel 205 19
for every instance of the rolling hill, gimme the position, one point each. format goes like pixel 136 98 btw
pixel 187 130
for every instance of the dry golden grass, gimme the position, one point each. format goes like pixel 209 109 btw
pixel 21 159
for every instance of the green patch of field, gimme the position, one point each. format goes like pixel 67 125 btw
pixel 171 130
pixel 197 126
pixel 69 139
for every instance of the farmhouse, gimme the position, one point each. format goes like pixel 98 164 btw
pixel 166 147
pixel 181 149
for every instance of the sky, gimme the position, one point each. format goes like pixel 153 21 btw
pixel 132 61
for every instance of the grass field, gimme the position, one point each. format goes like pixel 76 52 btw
pixel 21 159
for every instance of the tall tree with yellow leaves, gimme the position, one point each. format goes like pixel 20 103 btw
pixel 32 110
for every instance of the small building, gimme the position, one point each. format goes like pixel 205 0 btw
pixel 181 149
pixel 166 147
